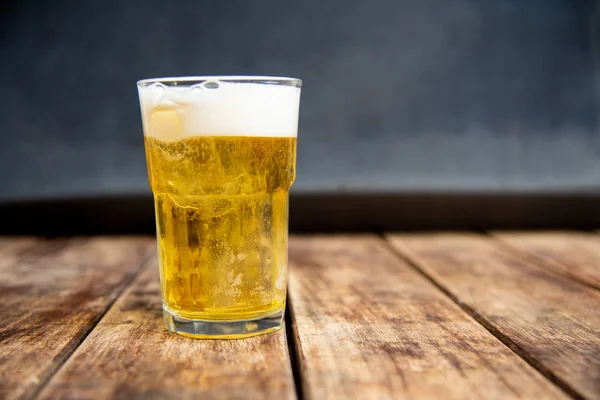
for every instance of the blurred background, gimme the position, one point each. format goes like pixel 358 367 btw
pixel 414 114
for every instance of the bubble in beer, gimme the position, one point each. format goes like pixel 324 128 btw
pixel 211 85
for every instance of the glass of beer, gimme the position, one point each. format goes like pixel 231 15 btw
pixel 221 155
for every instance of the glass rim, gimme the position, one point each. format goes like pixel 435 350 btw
pixel 195 80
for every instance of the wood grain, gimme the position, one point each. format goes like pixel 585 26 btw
pixel 367 326
pixel 551 320
pixel 572 253
pixel 52 293
pixel 130 355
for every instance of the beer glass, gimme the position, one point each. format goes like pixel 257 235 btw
pixel 221 156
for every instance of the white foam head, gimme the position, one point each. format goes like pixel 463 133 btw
pixel 176 108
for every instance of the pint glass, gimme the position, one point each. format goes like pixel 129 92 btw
pixel 221 156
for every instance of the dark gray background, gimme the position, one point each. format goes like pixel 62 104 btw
pixel 399 96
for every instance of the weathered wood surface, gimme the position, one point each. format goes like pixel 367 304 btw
pixel 51 294
pixel 367 326
pixel 365 323
pixel 575 254
pixel 549 319
pixel 131 355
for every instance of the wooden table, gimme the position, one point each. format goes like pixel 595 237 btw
pixel 436 315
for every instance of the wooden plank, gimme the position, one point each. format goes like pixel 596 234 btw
pixel 573 253
pixel 52 293
pixel 131 355
pixel 367 326
pixel 551 320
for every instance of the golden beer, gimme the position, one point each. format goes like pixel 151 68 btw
pixel 221 214
pixel 221 160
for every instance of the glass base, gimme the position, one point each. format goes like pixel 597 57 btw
pixel 206 329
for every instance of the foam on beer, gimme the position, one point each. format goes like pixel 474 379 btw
pixel 219 109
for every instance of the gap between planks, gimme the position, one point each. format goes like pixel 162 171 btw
pixel 291 333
